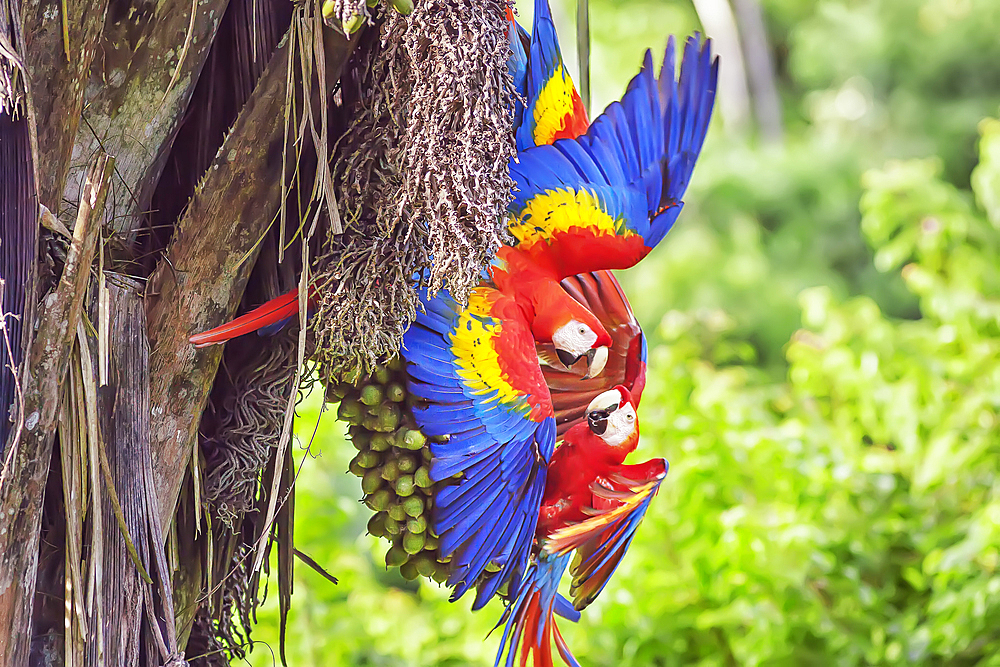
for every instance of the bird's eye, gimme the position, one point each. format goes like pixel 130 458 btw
pixel 630 417
pixel 583 331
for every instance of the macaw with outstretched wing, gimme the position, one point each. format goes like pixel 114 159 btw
pixel 606 198
pixel 476 368
pixel 592 506
pixel 473 372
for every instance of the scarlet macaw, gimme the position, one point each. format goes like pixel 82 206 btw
pixel 552 106
pixel 602 199
pixel 593 504
pixel 570 387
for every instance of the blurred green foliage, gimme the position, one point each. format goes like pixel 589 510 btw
pixel 824 379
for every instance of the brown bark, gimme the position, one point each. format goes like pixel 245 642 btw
pixel 58 80
pixel 135 111
pixel 23 481
pixel 127 497
pixel 201 280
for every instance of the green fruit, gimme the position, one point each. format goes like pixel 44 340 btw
pixel 409 570
pixel 390 470
pixel 380 500
pixel 404 486
pixel 414 506
pixel 426 455
pixel 349 411
pixel 407 463
pixel 370 422
pixel 371 395
pixel 417 525
pixel 351 375
pixel 382 375
pixel 360 438
pixel 376 524
pixel 440 573
pixel 328 8
pixel 380 442
pixel 413 543
pixel 404 7
pixel 367 459
pixel 395 556
pixel 414 440
pixel 397 513
pixel 425 564
pixel 336 391
pixel 395 364
pixel 388 417
pixel 371 482
pixel 353 24
pixel 422 477
pixel 432 542
pixel 492 567
pixel 392 527
pixel 355 468
pixel 395 392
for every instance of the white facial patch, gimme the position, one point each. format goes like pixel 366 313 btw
pixel 621 425
pixel 574 337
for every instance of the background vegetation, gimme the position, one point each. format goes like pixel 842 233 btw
pixel 825 377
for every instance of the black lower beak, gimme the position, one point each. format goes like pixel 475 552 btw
pixel 598 420
pixel 567 358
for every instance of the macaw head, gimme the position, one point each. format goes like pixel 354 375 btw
pixel 611 417
pixel 576 334
pixel 575 340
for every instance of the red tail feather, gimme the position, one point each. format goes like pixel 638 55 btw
pixel 273 311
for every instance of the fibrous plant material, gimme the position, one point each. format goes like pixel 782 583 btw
pixel 420 173
pixel 18 217
pixel 249 426
pixel 22 481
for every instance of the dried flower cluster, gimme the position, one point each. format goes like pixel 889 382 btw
pixel 421 172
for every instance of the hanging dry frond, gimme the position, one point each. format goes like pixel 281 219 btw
pixel 420 173
pixel 249 425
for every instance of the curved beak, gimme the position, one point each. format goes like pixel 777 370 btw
pixel 597 358
pixel 597 420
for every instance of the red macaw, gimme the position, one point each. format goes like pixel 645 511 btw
pixel 593 504
pixel 605 199
pixel 570 387
pixel 599 201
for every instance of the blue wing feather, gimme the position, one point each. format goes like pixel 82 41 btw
pixel 498 442
pixel 647 144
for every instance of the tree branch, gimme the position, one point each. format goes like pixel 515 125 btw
pixel 136 111
pixel 58 81
pixel 200 282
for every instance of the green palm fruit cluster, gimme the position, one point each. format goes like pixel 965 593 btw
pixel 393 462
